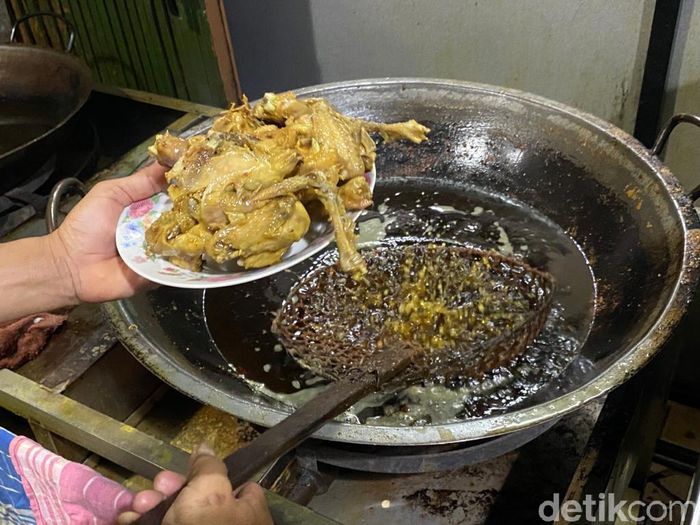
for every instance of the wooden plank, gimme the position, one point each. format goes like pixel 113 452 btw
pixel 106 52
pixel 62 7
pixel 171 55
pixel 140 41
pixel 17 11
pixel 216 94
pixel 223 48
pixel 141 82
pixel 71 9
pixel 38 23
pixel 87 34
pixel 159 100
pixel 154 48
pixel 192 73
pixel 53 29
pixel 215 89
pixel 121 45
pixel 60 27
pixel 187 30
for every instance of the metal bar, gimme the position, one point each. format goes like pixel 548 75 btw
pixel 135 418
pixel 284 512
pixel 116 441
pixel 676 456
pixel 111 439
pixel 663 29
pixel 674 463
pixel 17 11
pixel 620 449
pixel 55 6
pixel 51 25
pixel 36 24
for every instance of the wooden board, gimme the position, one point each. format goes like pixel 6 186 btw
pixel 178 48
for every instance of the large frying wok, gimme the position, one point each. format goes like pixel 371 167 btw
pixel 584 178
pixel 40 91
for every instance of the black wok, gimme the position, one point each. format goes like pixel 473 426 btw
pixel 40 91
pixel 576 196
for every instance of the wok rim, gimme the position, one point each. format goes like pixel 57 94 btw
pixel 617 373
pixel 86 86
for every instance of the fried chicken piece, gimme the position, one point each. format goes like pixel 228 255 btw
pixel 237 120
pixel 167 149
pixel 240 191
pixel 169 236
pixel 260 238
pixel 230 180
pixel 410 130
pixel 356 194
pixel 344 228
pixel 326 139
pixel 278 107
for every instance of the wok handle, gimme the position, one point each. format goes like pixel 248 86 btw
pixel 665 133
pixel 66 22
pixel 53 205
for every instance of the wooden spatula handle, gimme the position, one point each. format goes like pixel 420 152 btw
pixel 283 437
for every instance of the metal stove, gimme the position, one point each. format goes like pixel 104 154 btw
pixel 86 398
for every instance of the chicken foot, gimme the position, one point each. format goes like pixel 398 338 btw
pixel 410 130
pixel 350 259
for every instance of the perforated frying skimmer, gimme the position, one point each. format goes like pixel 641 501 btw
pixel 432 312
pixel 470 310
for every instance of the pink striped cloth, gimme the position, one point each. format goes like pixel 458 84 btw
pixel 65 493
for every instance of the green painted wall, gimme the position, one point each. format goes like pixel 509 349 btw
pixel 159 46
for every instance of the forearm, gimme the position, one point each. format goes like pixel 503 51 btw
pixel 34 277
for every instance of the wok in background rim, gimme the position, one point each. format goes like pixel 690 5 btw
pixel 621 370
pixel 85 87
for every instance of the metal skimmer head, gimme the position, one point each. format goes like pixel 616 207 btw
pixel 469 310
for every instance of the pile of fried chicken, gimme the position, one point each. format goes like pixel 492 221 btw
pixel 245 190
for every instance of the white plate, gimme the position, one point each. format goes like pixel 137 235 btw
pixel 131 245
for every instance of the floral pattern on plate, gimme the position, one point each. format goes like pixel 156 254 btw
pixel 131 245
